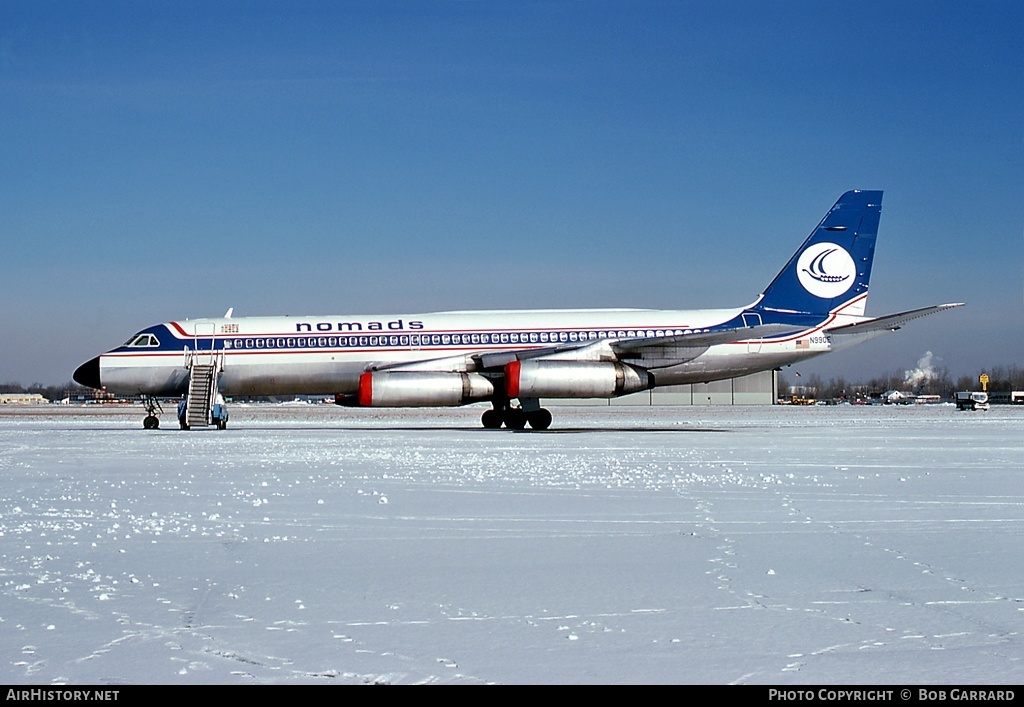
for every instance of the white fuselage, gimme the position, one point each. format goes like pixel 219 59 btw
pixel 289 355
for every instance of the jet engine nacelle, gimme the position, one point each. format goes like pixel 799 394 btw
pixel 573 379
pixel 417 389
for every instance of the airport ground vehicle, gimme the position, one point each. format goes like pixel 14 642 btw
pixel 971 400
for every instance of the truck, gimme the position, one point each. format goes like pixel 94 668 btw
pixel 971 400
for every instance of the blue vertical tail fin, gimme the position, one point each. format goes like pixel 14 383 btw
pixel 830 271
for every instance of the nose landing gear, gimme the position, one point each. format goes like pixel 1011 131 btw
pixel 151 421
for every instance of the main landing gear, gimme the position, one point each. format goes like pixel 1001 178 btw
pixel 517 418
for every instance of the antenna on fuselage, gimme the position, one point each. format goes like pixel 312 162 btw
pixel 227 314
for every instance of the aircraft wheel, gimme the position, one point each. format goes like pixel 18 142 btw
pixel 539 419
pixel 515 419
pixel 492 419
pixel 151 422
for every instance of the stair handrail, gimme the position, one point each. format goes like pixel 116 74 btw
pixel 205 331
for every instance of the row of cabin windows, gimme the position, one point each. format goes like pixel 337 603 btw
pixel 416 340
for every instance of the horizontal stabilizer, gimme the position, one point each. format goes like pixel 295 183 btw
pixel 891 322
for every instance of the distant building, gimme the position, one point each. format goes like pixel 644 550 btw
pixel 1010 397
pixel 22 399
pixel 898 397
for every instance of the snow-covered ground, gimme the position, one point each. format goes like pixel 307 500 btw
pixel 309 544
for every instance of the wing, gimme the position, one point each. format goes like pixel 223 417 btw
pixel 649 352
pixel 664 351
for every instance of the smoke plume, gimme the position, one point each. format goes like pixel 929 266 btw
pixel 922 374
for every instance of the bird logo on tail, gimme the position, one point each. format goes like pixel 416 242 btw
pixel 826 270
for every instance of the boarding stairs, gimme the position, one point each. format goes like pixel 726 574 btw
pixel 204 368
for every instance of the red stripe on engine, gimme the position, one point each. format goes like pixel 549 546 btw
pixel 366 389
pixel 512 379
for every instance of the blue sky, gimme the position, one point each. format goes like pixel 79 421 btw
pixel 169 160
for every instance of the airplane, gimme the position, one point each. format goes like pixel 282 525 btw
pixel 514 359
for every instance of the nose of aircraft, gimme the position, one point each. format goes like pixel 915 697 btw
pixel 88 374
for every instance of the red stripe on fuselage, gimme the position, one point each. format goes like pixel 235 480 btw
pixel 185 333
pixel 426 332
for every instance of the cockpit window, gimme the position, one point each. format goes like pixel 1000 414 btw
pixel 142 340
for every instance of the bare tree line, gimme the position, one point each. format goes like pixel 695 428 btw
pixel 921 381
